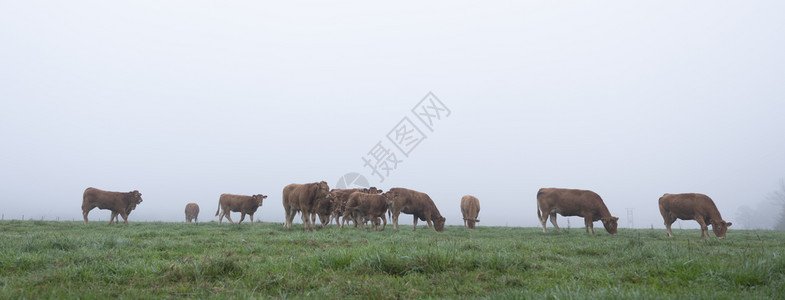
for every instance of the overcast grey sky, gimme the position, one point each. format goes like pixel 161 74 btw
pixel 185 100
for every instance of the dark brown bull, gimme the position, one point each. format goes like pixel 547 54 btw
pixel 417 204
pixel 117 202
pixel 569 202
pixel 228 203
pixel 470 208
pixel 191 212
pixel 364 206
pixel 691 206
pixel 303 198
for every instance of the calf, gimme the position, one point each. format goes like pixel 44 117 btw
pixel 368 207
pixel 228 203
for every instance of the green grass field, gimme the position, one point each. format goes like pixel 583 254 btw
pixel 42 259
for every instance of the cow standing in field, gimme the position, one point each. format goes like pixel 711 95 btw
pixel 569 202
pixel 228 203
pixel 691 206
pixel 470 208
pixel 191 212
pixel 417 204
pixel 304 198
pixel 371 207
pixel 117 202
pixel 340 197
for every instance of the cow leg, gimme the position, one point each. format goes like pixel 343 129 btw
pixel 286 210
pixel 384 219
pixel 290 218
pixel 589 224
pixel 228 216
pixel 84 214
pixel 112 217
pixel 543 219
pixel 668 222
pixel 553 221
pixel 396 213
pixel 704 227
pixel 415 224
pixel 125 218
pixel 306 220
pixel 430 224
pixel 242 217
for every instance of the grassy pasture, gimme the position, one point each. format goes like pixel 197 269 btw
pixel 47 259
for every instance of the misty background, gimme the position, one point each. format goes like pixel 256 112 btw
pixel 185 100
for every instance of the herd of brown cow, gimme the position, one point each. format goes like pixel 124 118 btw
pixel 360 206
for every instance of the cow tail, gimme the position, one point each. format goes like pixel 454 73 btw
pixel 539 215
pixel 219 208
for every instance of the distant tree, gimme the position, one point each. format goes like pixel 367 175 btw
pixel 778 198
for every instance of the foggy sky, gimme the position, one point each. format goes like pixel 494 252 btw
pixel 185 100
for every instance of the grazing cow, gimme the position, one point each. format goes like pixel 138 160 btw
pixel 417 204
pixel 368 207
pixel 470 208
pixel 324 208
pixel 228 203
pixel 568 202
pixel 117 202
pixel 191 212
pixel 304 198
pixel 691 206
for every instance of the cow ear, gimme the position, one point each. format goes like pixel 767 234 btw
pixel 615 218
pixel 729 224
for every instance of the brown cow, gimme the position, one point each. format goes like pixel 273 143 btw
pixel 691 206
pixel 470 208
pixel 366 206
pixel 341 196
pixel 228 203
pixel 117 202
pixel 417 204
pixel 191 212
pixel 568 202
pixel 303 198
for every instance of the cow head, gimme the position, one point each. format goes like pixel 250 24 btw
pixel 720 228
pixel 136 196
pixel 323 190
pixel 390 196
pixel 374 190
pixel 438 224
pixel 258 199
pixel 611 223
